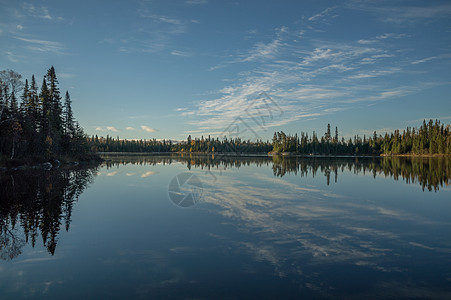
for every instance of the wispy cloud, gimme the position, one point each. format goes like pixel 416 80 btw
pixel 37 11
pixel 12 57
pixel 147 128
pixel 307 80
pixel 42 45
pixel 196 2
pixel 263 51
pixel 374 58
pixel 420 61
pixel 150 33
pixel 180 53
pixel 403 14
pixel 171 24
pixel 130 128
pixel 374 73
pixel 322 14
pixel 168 20
pixel 382 37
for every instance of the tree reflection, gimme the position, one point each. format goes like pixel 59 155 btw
pixel 36 203
pixel 431 172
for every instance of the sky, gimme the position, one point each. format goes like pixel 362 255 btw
pixel 169 69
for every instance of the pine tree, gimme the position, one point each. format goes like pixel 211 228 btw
pixel 45 104
pixel 14 108
pixel 55 115
pixel 69 126
pixel 25 98
pixel 2 103
pixel 327 135
pixel 34 103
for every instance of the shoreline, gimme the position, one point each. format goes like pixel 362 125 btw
pixel 35 162
pixel 269 154
pixel 54 162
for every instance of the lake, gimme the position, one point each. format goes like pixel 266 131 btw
pixel 205 227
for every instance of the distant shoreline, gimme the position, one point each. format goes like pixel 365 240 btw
pixel 270 154
pixel 35 162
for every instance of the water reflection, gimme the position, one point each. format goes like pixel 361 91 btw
pixel 361 237
pixel 35 203
pixel 262 230
pixel 430 173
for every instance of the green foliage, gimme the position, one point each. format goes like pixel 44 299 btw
pixel 202 145
pixel 431 138
pixel 41 125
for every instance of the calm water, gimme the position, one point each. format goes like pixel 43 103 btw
pixel 209 228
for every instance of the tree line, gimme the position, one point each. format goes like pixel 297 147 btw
pixel 191 145
pixel 36 121
pixel 430 138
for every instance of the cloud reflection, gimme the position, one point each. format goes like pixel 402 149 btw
pixel 147 174
pixel 289 220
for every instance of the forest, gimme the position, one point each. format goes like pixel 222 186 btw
pixel 429 139
pixel 36 123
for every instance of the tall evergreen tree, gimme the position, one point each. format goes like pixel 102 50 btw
pixel 25 97
pixel 45 104
pixel 34 102
pixel 14 108
pixel 69 126
pixel 56 110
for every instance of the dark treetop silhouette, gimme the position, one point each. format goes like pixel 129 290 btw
pixel 41 126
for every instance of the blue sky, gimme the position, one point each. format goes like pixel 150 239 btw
pixel 166 69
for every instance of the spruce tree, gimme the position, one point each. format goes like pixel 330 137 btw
pixel 55 115
pixel 69 126
pixel 34 103
pixel 25 98
pixel 44 118
pixel 14 108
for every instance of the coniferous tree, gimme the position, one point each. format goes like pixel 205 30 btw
pixel 56 122
pixel 69 126
pixel 45 104
pixel 41 125
pixel 34 103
